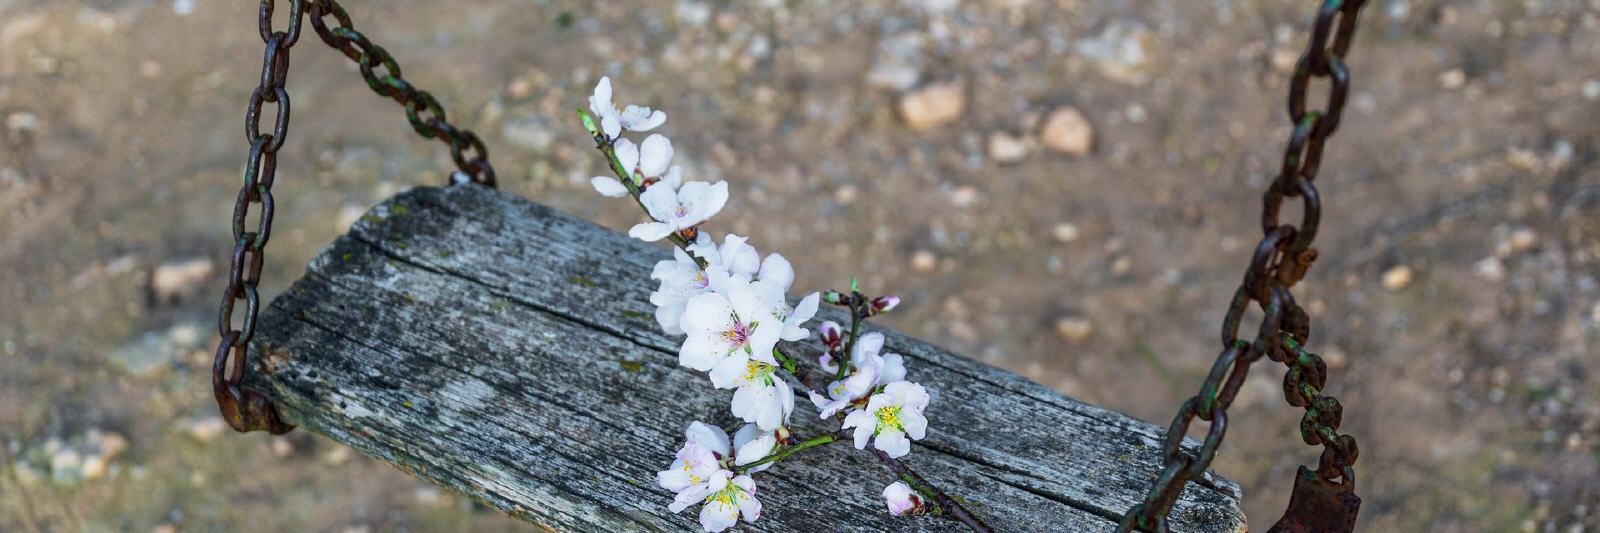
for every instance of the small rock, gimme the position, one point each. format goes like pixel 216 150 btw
pixel 66 467
pixel 520 88
pixel 1522 240
pixel 176 279
pixel 282 447
pixel 21 121
pixel 1065 232
pixel 933 106
pixel 1119 51
pixel 964 196
pixel 1005 148
pixel 1453 79
pixel 206 429
pixel 1397 278
pixel 924 261
pixel 1490 268
pixel 846 194
pixel 1066 130
pixel 1121 265
pixel 1074 328
pixel 899 63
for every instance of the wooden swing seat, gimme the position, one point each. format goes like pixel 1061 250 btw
pixel 507 351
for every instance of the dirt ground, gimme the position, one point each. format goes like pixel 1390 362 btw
pixel 1455 298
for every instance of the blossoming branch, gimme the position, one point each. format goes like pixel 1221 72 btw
pixel 731 306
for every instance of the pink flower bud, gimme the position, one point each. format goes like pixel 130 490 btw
pixel 902 501
pixel 884 304
pixel 832 334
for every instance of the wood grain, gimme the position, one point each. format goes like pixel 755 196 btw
pixel 507 351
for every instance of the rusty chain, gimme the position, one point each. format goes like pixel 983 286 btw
pixel 1323 499
pixel 246 409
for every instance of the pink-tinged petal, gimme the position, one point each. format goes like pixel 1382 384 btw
pixel 868 344
pixel 654 155
pixel 690 496
pixel 900 499
pixel 892 442
pixel 609 187
pixel 750 508
pixel 674 478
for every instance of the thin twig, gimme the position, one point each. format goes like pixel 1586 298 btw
pixel 797 448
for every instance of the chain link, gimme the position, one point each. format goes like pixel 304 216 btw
pixel 1281 260
pixel 423 111
pixel 246 409
pixel 243 408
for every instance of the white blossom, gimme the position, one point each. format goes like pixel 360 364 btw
pixel 724 506
pixel 751 444
pixel 733 318
pixel 642 162
pixel 868 370
pixel 760 396
pixel 631 118
pixel 681 278
pixel 891 416
pixel 673 211
pixel 902 501
pixel 699 462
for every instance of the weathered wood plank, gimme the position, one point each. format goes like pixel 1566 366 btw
pixel 507 351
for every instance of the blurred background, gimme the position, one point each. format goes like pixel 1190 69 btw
pixel 1068 189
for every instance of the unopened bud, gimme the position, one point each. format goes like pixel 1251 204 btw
pixel 832 334
pixel 834 297
pixel 884 304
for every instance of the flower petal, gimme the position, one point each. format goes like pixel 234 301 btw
pixel 627 154
pixel 892 442
pixel 609 186
pixel 650 231
pixel 654 155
